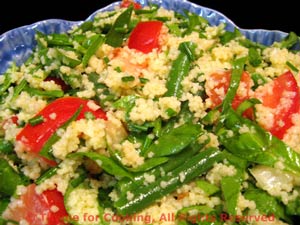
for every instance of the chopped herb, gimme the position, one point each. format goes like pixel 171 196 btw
pixel 292 67
pixel 118 69
pixel 36 120
pixel 143 80
pixel 89 116
pixel 128 78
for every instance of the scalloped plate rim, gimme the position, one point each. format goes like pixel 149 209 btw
pixel 276 34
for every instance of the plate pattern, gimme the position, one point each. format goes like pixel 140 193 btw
pixel 16 45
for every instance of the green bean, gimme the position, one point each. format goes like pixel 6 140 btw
pixel 46 175
pixel 248 44
pixel 19 88
pixel 173 162
pixel 46 151
pixel 180 69
pixel 292 67
pixel 237 70
pixel 49 94
pixel 99 40
pixel 55 39
pixel 146 195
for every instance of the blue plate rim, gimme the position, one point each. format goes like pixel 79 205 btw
pixel 256 35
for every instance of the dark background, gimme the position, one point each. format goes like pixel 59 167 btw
pixel 250 14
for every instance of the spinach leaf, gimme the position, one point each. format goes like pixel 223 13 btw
pixel 175 140
pixel 265 203
pixel 115 37
pixel 9 179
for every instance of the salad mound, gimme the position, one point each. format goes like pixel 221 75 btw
pixel 149 116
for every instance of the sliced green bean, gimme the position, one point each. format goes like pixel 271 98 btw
pixel 92 49
pixel 174 161
pixel 146 195
pixel 237 70
pixel 46 175
pixel 46 151
pixel 180 69
pixel 49 94
pixel 19 88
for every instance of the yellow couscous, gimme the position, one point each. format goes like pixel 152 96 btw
pixel 148 116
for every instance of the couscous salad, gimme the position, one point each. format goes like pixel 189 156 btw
pixel 148 116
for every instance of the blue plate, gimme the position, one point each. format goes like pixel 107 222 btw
pixel 16 45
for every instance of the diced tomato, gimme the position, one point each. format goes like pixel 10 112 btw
pixel 45 208
pixel 281 95
pixel 145 36
pixel 55 115
pixel 127 3
pixel 14 119
pixel 218 84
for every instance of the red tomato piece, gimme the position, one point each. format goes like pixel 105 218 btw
pixel 55 115
pixel 281 95
pixel 14 119
pixel 127 3
pixel 45 208
pixel 145 36
pixel 218 84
